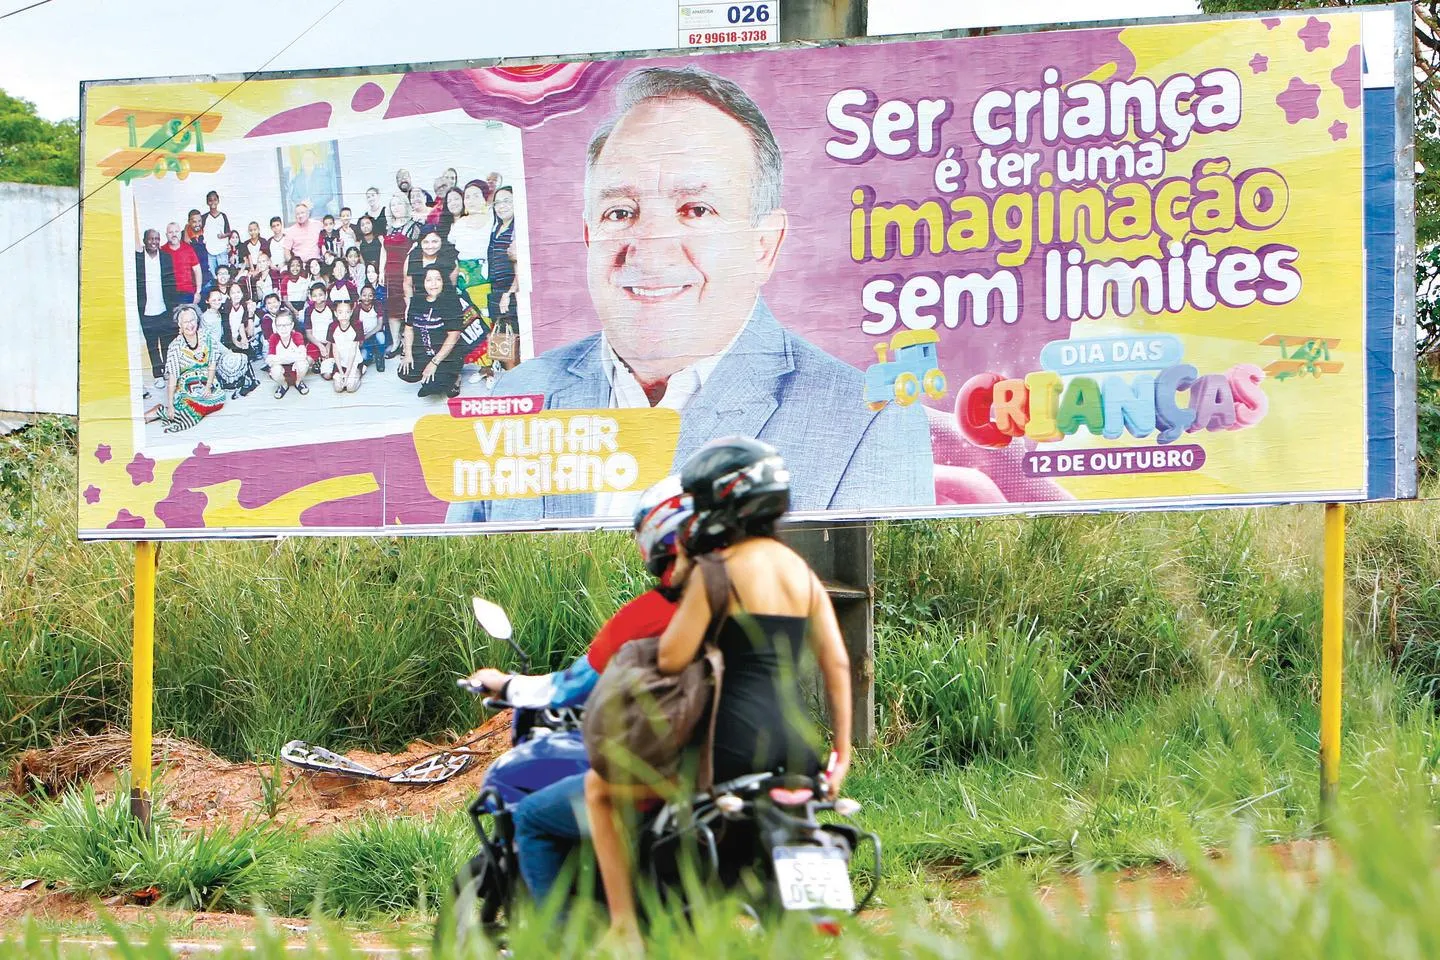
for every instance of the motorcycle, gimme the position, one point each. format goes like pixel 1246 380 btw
pixel 758 835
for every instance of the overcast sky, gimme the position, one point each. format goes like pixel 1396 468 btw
pixel 47 51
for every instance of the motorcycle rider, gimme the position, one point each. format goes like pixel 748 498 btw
pixel 776 608
pixel 548 823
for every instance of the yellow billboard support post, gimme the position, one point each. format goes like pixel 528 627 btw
pixel 142 684
pixel 1332 656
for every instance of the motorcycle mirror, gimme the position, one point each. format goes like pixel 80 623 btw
pixel 495 621
pixel 492 618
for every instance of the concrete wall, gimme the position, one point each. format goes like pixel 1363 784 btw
pixel 39 299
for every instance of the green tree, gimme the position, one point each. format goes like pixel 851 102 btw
pixel 34 150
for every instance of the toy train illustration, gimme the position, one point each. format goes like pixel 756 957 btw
pixel 915 367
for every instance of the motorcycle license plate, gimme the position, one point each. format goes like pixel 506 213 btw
pixel 813 878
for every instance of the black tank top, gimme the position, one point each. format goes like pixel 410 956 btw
pixel 762 723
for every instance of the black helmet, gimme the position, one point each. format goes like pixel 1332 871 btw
pixel 736 484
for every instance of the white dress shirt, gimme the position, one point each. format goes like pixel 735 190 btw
pixel 626 393
pixel 154 304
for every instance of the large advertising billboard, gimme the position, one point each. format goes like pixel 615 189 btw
pixel 1114 267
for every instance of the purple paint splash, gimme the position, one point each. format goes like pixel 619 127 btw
pixel 367 97
pixel 92 494
pixel 102 453
pixel 312 116
pixel 392 461
pixel 125 520
pixel 1259 63
pixel 1339 130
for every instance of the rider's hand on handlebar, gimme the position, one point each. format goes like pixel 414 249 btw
pixel 491 679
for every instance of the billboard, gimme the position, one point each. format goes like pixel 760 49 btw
pixel 1102 268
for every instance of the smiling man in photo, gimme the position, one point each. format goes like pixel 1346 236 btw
pixel 683 226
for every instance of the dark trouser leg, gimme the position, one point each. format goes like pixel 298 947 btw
pixel 447 375
pixel 153 329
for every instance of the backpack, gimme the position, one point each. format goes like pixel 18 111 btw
pixel 638 720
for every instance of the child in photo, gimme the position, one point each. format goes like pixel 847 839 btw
pixel 239 322
pixel 345 231
pixel 221 279
pixel 214 299
pixel 315 273
pixel 329 238
pixel 294 285
pixel 369 244
pixel 345 365
pixel 279 248
pixel 318 317
pixel 235 256
pixel 289 358
pixel 342 288
pixel 373 278
pixel 355 266
pixel 266 319
pixel 263 280
pixel 371 320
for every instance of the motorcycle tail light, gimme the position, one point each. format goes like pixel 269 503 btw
pixel 791 798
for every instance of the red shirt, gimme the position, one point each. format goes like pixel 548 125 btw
pixel 184 261
pixel 646 616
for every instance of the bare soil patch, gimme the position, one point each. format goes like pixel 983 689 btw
pixel 201 790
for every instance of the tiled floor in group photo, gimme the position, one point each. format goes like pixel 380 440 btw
pixel 383 405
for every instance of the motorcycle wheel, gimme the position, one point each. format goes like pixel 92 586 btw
pixel 472 913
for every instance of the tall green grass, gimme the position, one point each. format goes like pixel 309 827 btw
pixel 352 642
pixel 1055 693
pixel 1370 893
pixel 94 847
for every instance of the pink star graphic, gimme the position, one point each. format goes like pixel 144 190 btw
pixel 1259 63
pixel 1299 100
pixel 1271 22
pixel 1316 34
pixel 141 469
pixel 102 453
pixel 1339 130
pixel 92 494
pixel 202 450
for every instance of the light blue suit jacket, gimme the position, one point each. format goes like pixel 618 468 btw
pixel 773 385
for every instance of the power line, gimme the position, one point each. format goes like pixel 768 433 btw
pixel 10 13
pixel 155 149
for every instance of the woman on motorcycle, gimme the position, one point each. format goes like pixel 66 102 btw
pixel 740 488
pixel 548 822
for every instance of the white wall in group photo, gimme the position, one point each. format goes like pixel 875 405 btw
pixel 38 275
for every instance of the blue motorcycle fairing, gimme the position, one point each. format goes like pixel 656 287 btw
pixel 535 764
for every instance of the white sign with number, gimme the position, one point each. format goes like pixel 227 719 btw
pixel 813 878
pixel 726 24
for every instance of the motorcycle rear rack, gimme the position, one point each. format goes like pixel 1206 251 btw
pixel 425 772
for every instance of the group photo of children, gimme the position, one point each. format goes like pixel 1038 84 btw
pixel 386 289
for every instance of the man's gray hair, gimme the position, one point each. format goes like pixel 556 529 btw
pixel 669 83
